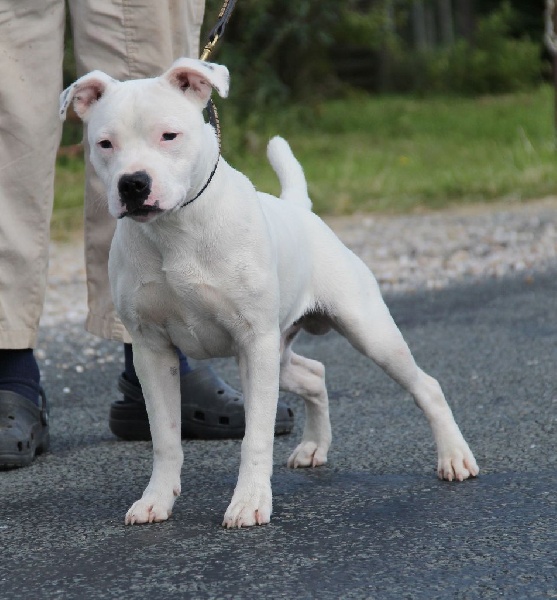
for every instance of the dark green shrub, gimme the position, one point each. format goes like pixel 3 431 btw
pixel 494 62
pixel 277 50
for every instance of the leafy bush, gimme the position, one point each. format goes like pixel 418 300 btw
pixel 494 62
pixel 281 51
pixel 277 50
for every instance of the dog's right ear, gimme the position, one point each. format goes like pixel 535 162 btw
pixel 84 93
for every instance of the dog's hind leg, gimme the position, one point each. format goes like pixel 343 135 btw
pixel 367 323
pixel 306 378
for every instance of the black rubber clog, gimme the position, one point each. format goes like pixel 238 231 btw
pixel 24 430
pixel 211 409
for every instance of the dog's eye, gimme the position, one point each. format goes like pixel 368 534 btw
pixel 167 137
pixel 105 144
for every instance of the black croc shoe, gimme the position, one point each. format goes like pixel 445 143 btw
pixel 211 410
pixel 23 429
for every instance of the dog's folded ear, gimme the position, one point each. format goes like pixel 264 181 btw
pixel 196 78
pixel 84 93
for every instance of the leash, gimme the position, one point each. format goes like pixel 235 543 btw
pixel 214 35
pixel 218 30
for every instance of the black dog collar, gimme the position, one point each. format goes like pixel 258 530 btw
pixel 203 188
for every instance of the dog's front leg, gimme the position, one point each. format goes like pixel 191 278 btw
pixel 259 370
pixel 158 372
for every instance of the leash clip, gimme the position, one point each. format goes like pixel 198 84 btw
pixel 209 47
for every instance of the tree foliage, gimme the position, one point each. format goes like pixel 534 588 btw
pixel 280 51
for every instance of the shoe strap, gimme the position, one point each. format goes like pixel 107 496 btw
pixel 43 407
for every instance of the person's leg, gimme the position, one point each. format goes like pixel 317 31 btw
pixel 127 40
pixel 31 38
pixel 131 40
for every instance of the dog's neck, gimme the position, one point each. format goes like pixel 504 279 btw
pixel 208 162
pixel 205 186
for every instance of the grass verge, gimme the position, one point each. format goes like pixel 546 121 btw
pixel 388 154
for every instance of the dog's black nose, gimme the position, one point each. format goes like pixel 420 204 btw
pixel 134 189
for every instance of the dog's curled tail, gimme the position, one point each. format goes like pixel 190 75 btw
pixel 293 183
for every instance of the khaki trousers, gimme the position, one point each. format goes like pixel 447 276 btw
pixel 125 38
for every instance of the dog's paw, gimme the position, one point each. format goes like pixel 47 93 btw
pixel 148 510
pixel 457 464
pixel 250 507
pixel 308 454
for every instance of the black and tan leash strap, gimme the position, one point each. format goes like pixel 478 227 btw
pixel 214 35
pixel 218 30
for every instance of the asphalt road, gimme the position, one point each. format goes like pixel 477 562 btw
pixel 374 523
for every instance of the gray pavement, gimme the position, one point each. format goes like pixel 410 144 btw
pixel 374 523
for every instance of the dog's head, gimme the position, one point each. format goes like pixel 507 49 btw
pixel 146 135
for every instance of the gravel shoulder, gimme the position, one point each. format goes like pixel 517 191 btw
pixel 406 253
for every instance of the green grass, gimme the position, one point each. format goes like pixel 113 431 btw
pixel 67 215
pixel 393 154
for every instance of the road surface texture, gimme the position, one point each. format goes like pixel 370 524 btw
pixel 373 523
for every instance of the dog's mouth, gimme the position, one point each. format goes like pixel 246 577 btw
pixel 143 214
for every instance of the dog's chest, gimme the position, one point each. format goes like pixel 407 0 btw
pixel 203 297
pixel 186 305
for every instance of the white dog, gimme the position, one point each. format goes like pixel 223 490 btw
pixel 203 262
